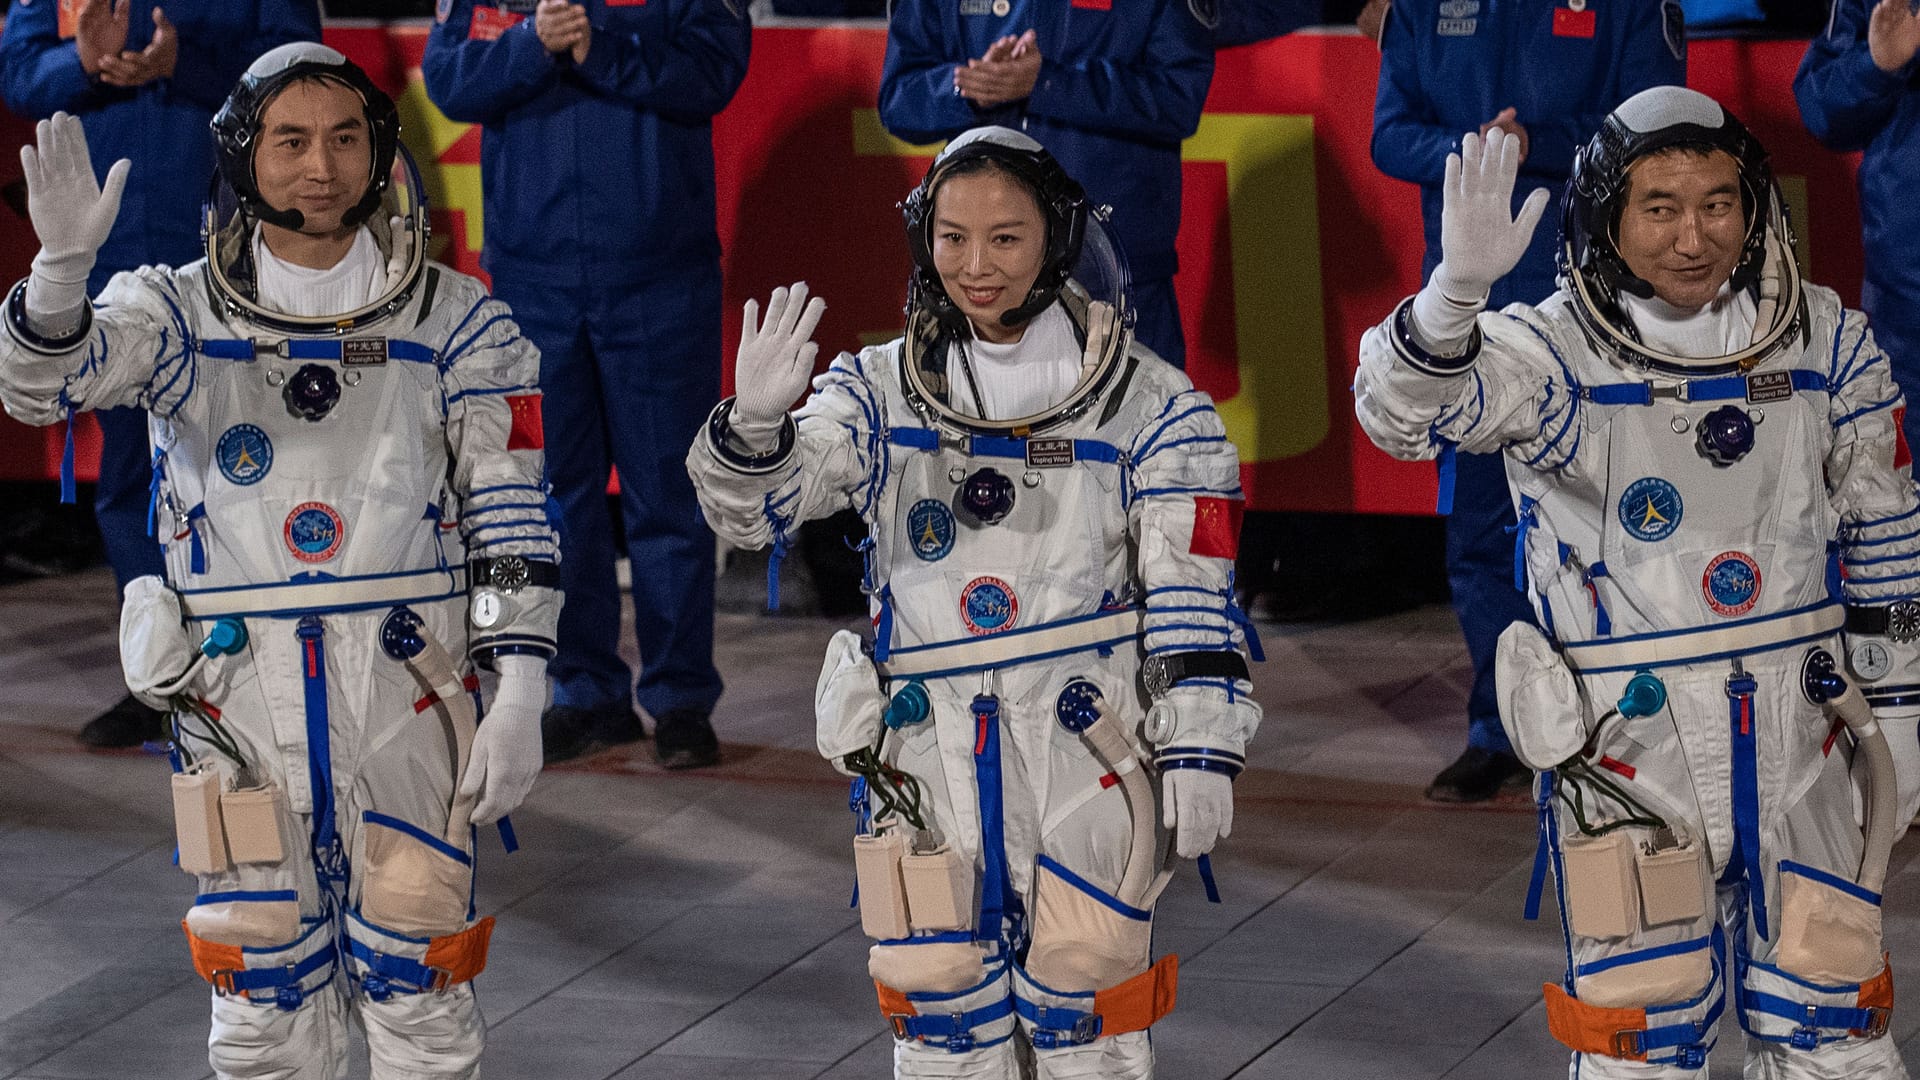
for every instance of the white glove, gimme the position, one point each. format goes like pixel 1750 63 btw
pixel 773 364
pixel 506 750
pixel 71 213
pixel 1480 239
pixel 1197 806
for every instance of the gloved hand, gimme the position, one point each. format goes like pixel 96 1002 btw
pixel 72 213
pixel 1197 806
pixel 506 750
pixel 1481 241
pixel 773 364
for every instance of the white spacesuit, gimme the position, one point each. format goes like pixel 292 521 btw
pixel 1715 504
pixel 331 448
pixel 1021 568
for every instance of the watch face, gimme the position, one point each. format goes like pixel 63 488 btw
pixel 510 573
pixel 1903 620
pixel 487 608
pixel 1155 675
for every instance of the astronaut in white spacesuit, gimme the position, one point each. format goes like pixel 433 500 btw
pixel 1054 512
pixel 1719 531
pixel 347 460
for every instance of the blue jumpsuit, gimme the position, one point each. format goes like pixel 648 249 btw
pixel 1446 67
pixel 162 128
pixel 1120 85
pixel 1850 104
pixel 600 234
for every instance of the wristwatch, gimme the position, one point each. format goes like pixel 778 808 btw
pixel 1899 621
pixel 1163 671
pixel 511 573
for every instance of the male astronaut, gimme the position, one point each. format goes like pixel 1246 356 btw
pixel 327 409
pixel 1054 512
pixel 1711 484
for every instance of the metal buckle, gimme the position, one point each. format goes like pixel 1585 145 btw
pixel 1087 1028
pixel 1626 1044
pixel 442 980
pixel 1881 1018
pixel 899 1022
pixel 222 981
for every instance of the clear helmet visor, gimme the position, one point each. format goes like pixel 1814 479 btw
pixel 1097 298
pixel 399 228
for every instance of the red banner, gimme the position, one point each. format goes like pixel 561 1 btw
pixel 1291 243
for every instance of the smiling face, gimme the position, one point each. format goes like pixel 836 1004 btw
pixel 314 153
pixel 989 239
pixel 1683 225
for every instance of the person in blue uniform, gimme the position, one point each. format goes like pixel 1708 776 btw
pixel 1548 73
pixel 1110 90
pixel 1859 89
pixel 145 83
pixel 597 165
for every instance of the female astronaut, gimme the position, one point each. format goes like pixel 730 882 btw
pixel 1054 512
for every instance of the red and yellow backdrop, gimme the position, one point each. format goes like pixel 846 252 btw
pixel 1291 243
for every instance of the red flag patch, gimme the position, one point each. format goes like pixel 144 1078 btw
pixel 1902 455
pixel 528 433
pixel 1216 527
pixel 1575 24
pixel 489 23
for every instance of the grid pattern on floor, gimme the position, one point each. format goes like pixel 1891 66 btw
pixel 674 926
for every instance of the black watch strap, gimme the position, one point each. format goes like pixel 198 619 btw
pixel 1899 620
pixel 1167 670
pixel 511 573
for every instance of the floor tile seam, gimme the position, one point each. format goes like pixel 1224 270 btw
pixel 1318 871
pixel 1484 1043
pixel 171 989
pixel 1335 999
pixel 609 958
pixel 849 1055
pixel 90 880
pixel 710 1013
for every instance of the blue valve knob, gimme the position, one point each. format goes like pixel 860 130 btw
pixel 1078 706
pixel 1726 435
pixel 1645 695
pixel 909 707
pixel 227 637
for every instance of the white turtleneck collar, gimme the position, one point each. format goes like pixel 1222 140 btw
pixel 303 292
pixel 1722 327
pixel 1022 377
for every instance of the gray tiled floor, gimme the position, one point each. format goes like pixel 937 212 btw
pixel 694 927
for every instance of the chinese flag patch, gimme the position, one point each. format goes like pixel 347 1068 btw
pixel 528 432
pixel 1570 23
pixel 489 23
pixel 1216 527
pixel 1902 456
pixel 67 16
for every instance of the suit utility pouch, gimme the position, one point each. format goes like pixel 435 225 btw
pixel 1541 707
pixel 1673 884
pixel 412 882
pixel 251 818
pixel 939 889
pixel 196 820
pixel 1598 882
pixel 258 919
pixel 883 893
pixel 1084 938
pixel 1829 927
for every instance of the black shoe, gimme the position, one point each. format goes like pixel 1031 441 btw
pixel 128 723
pixel 684 739
pixel 568 732
pixel 1476 776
